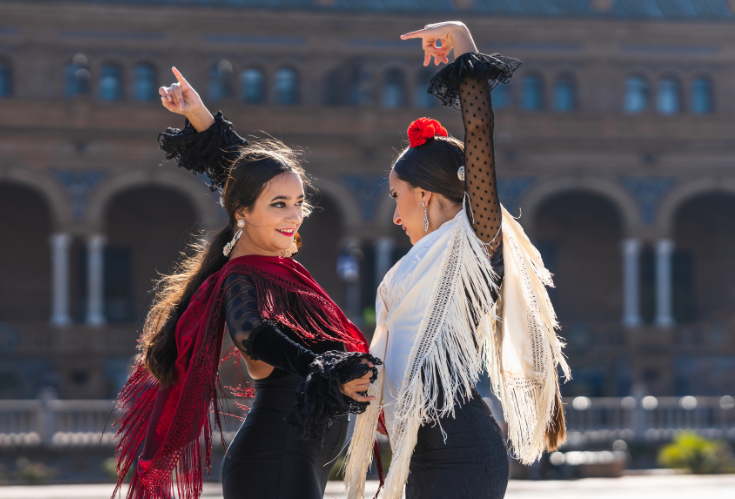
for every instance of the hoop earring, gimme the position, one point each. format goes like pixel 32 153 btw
pixel 426 218
pixel 229 246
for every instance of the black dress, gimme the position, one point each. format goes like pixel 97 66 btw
pixel 297 423
pixel 466 455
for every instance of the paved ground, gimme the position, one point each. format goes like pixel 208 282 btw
pixel 632 487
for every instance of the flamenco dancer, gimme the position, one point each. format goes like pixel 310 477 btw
pixel 469 295
pixel 310 364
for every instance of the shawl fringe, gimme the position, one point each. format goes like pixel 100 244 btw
pixel 463 331
pixel 189 410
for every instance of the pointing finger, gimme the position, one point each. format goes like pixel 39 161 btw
pixel 184 84
pixel 421 33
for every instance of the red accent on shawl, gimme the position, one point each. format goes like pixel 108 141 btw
pixel 173 424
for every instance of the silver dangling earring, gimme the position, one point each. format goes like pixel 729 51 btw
pixel 228 247
pixel 426 218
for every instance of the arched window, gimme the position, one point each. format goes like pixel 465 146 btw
pixel 252 86
pixel 76 76
pixel 702 96
pixel 532 98
pixel 565 94
pixel 110 88
pixel 145 83
pixel 636 94
pixel 669 98
pixel 423 98
pixel 286 86
pixel 6 82
pixel 220 81
pixel 362 86
pixel 394 89
pixel 501 97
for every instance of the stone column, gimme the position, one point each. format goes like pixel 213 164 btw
pixel 95 280
pixel 383 257
pixel 60 244
pixel 664 283
pixel 631 282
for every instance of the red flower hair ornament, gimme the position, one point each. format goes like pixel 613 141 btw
pixel 423 129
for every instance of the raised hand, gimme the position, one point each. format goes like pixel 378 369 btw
pixel 181 98
pixel 452 35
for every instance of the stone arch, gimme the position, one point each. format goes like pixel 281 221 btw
pixel 350 214
pixel 58 201
pixel 681 194
pixel 193 188
pixel 626 205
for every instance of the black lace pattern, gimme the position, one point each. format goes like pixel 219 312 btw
pixel 212 151
pixel 318 400
pixel 493 68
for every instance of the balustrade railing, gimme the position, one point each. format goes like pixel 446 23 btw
pixel 89 422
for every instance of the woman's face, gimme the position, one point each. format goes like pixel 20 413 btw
pixel 271 224
pixel 409 213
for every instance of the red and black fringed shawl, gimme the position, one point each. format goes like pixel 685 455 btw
pixel 174 425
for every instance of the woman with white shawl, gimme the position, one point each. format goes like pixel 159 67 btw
pixel 470 295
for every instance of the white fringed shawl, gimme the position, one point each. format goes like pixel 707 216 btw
pixel 425 331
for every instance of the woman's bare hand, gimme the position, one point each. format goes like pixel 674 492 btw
pixel 181 98
pixel 354 388
pixel 453 35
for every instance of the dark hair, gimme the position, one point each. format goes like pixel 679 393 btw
pixel 433 167
pixel 249 175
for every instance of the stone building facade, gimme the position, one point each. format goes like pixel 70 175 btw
pixel 614 143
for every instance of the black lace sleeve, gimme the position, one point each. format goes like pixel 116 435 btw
pixel 212 151
pixel 318 399
pixel 468 81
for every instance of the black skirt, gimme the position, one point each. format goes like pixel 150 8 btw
pixel 473 462
pixel 265 459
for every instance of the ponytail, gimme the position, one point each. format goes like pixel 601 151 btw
pixel 173 294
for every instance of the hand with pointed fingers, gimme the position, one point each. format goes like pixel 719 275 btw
pixel 181 98
pixel 452 35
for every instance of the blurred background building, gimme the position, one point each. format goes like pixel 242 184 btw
pixel 614 142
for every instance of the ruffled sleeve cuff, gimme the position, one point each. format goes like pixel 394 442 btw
pixel 212 151
pixel 318 399
pixel 494 68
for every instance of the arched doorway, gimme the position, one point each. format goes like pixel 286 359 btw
pixel 578 234
pixel 704 268
pixel 146 228
pixel 704 294
pixel 25 254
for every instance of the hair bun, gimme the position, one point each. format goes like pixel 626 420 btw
pixel 423 129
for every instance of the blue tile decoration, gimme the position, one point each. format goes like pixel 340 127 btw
pixel 367 189
pixel 648 191
pixel 78 185
pixel 510 190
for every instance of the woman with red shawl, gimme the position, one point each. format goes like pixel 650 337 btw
pixel 309 362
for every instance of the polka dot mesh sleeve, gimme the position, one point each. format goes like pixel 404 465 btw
pixel 257 338
pixel 480 181
pixel 466 84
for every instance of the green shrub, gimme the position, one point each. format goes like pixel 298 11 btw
pixel 698 454
pixel 109 466
pixel 34 473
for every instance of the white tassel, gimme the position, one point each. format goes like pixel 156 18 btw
pixel 360 453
